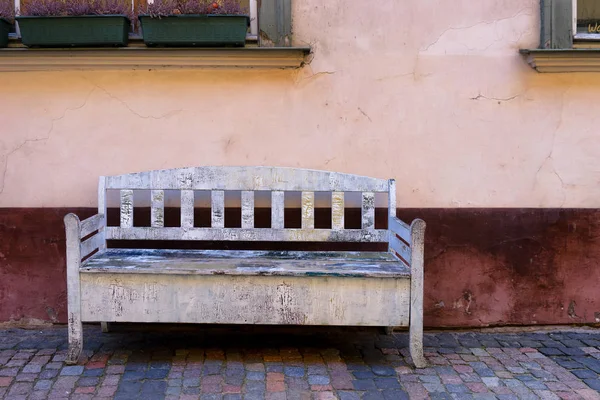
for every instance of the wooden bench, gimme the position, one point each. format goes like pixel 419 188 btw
pixel 245 287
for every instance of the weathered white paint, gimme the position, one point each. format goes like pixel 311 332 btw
pixel 157 208
pixel 308 211
pixel 368 210
pixel 91 224
pixel 102 209
pixel 392 198
pixel 257 234
pixel 246 178
pixel 416 293
pixel 337 210
pixel 247 263
pixel 73 230
pixel 400 228
pixel 400 247
pixel 247 209
pixel 91 244
pixel 217 198
pixel 277 209
pixel 245 300
pixel 187 209
pixel 126 208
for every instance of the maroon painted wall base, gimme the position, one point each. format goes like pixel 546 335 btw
pixel 482 266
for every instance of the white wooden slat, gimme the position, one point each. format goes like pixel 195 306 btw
pixel 368 210
pixel 91 224
pixel 416 293
pixel 255 234
pixel 91 244
pixel 217 199
pixel 337 210
pixel 398 227
pixel 187 208
pixel 277 209
pixel 308 210
pixel 392 198
pixel 126 208
pixel 157 208
pixel 247 209
pixel 75 331
pixel 400 247
pixel 247 178
pixel 216 299
pixel 102 205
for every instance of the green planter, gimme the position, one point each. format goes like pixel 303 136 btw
pixel 81 31
pixel 195 30
pixel 4 29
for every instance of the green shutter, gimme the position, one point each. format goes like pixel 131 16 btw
pixel 557 25
pixel 275 23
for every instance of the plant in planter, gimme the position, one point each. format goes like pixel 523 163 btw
pixel 199 23
pixel 7 15
pixel 75 23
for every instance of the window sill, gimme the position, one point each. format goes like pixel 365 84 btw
pixel 563 60
pixel 143 58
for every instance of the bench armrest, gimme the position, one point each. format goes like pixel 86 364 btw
pixel 76 230
pixel 407 241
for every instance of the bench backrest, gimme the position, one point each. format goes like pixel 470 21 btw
pixel 218 180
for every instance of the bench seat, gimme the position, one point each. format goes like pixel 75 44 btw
pixel 245 263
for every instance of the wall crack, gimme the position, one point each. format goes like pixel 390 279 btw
pixel 40 139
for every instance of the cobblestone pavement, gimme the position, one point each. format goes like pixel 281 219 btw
pixel 217 363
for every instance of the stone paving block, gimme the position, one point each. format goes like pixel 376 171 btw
pixel 71 370
pixel 500 366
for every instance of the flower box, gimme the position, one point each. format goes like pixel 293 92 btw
pixel 194 30
pixel 74 31
pixel 4 30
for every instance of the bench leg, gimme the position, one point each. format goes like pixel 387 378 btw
pixel 389 330
pixel 72 228
pixel 105 326
pixel 416 294
pixel 75 339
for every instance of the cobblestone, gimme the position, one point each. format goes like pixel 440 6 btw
pixel 301 364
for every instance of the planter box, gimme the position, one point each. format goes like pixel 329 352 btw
pixel 195 30
pixel 82 31
pixel 4 30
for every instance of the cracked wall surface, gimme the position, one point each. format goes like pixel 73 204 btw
pixel 432 93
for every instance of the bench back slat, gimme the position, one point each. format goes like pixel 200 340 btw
pixel 217 205
pixel 337 211
pixel 308 210
pixel 250 235
pixel 247 180
pixel 247 209
pixel 157 208
pixel 368 210
pixel 277 209
pixel 187 209
pixel 126 208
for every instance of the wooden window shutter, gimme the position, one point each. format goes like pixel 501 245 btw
pixel 275 23
pixel 556 24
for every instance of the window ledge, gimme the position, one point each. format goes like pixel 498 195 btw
pixel 137 58
pixel 563 60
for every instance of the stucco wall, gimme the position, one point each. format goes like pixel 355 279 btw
pixel 432 93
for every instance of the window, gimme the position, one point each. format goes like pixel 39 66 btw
pixel 586 21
